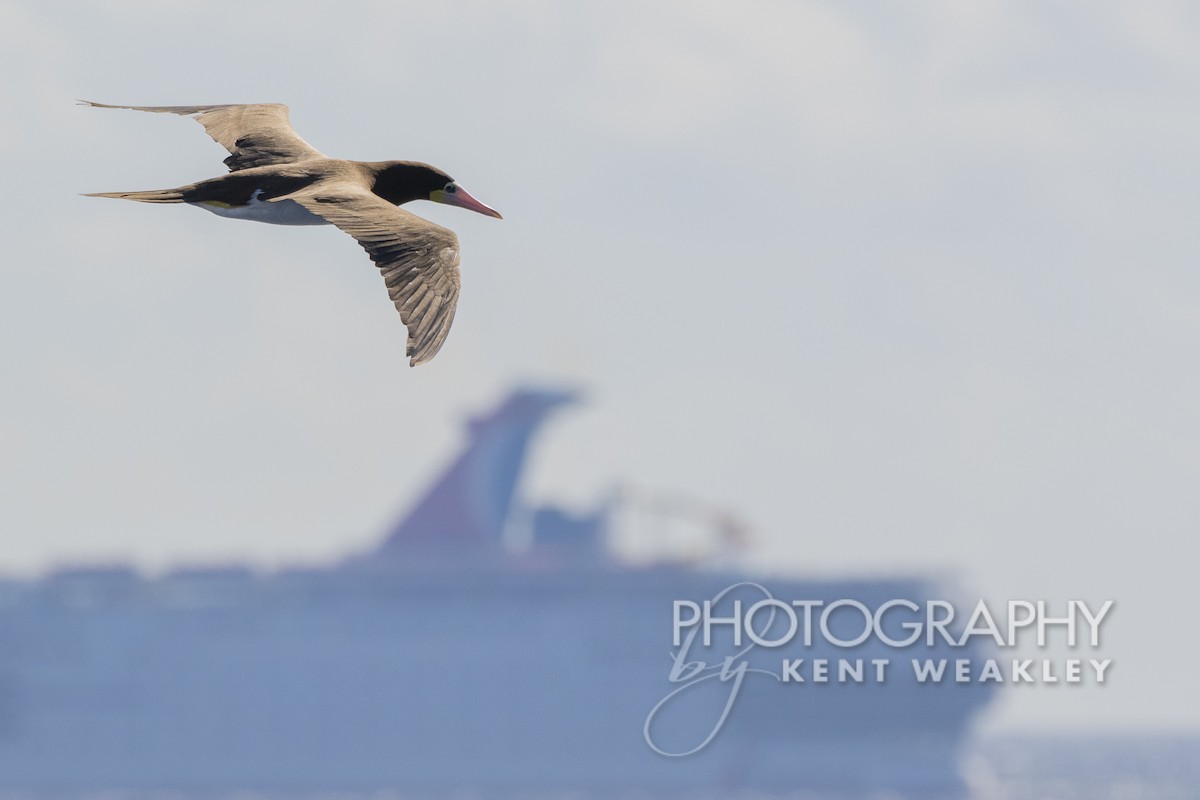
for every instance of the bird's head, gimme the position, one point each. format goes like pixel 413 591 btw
pixel 402 181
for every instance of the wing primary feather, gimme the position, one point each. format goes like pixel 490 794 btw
pixel 417 259
pixel 255 134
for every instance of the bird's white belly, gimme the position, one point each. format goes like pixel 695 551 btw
pixel 279 212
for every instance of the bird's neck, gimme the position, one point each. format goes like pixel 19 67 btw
pixel 398 182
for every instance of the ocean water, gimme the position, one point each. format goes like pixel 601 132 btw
pixel 1084 768
pixel 1011 768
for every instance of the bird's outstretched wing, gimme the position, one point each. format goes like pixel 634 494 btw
pixel 419 260
pixel 254 134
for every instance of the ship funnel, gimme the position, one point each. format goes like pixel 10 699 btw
pixel 464 512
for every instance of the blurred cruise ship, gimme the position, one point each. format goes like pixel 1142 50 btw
pixel 485 646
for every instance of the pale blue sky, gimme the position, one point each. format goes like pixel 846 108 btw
pixel 911 287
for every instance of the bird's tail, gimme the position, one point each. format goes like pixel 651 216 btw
pixel 154 196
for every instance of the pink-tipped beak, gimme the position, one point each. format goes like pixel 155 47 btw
pixel 463 199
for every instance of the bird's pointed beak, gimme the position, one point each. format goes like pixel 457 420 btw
pixel 462 198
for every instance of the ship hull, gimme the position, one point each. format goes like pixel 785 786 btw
pixel 490 681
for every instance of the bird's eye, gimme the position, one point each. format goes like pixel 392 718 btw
pixel 450 188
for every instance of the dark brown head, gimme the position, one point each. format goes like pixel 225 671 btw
pixel 402 182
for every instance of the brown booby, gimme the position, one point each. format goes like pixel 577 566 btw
pixel 277 177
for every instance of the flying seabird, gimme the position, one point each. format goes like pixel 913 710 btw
pixel 277 177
